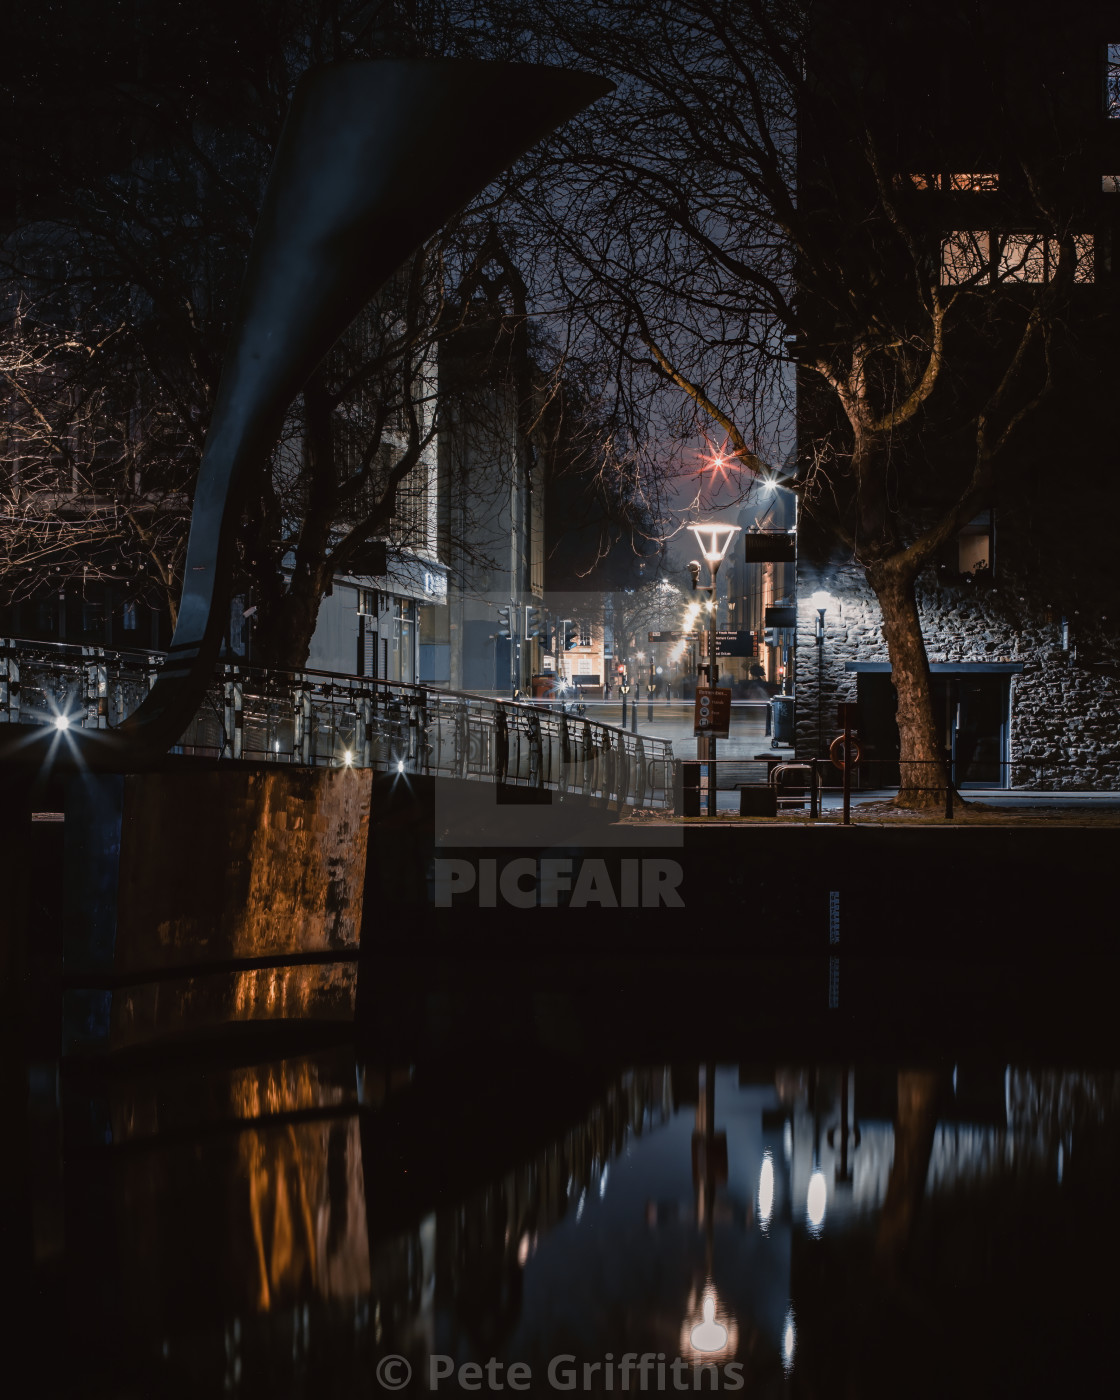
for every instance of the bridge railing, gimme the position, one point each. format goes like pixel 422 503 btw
pixel 319 718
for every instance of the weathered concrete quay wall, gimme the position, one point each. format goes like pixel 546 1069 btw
pixel 194 899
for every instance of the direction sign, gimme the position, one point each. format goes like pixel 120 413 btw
pixel 712 714
pixel 736 644
pixel 665 636
pixel 769 547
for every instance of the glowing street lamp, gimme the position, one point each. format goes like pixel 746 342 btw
pixel 714 540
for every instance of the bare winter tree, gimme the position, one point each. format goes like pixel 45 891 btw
pixel 133 252
pixel 745 215
pixel 94 481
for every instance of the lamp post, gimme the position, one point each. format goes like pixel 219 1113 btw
pixel 714 541
pixel 820 600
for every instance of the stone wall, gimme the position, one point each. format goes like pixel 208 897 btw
pixel 1065 704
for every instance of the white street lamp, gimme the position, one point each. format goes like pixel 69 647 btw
pixel 714 540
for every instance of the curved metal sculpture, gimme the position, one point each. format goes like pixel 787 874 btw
pixel 373 158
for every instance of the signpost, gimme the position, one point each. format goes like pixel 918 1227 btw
pixel 736 644
pixel 769 547
pixel 711 717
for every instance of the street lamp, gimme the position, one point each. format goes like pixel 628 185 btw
pixel 714 540
pixel 821 600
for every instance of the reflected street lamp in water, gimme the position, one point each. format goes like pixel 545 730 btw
pixel 714 541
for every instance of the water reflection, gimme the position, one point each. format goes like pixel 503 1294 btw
pixel 285 1228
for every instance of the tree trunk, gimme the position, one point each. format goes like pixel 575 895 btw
pixel 915 1125
pixel 923 778
pixel 283 637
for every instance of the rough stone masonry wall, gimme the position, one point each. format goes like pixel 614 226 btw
pixel 1065 705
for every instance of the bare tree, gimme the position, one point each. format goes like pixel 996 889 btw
pixel 133 255
pixel 95 476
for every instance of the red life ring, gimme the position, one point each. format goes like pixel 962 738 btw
pixel 836 751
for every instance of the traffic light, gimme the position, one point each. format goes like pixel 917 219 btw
pixel 694 571
pixel 770 637
pixel 505 621
pixel 571 635
pixel 534 622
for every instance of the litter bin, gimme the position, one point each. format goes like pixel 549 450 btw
pixel 782 706
pixel 758 800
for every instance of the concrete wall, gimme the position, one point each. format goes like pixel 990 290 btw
pixel 200 898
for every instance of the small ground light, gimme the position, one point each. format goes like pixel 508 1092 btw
pixel 400 765
pixel 61 722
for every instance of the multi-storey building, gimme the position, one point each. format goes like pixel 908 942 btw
pixel 1002 136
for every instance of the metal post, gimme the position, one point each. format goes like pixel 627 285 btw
pixel 713 676
pixel 365 733
pixel 9 683
pixel 820 683
pixel 97 689
pixel 847 769
pixel 234 715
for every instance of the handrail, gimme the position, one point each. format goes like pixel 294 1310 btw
pixel 331 718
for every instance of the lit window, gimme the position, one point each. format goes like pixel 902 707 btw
pixel 955 181
pixel 1086 262
pixel 965 256
pixel 1112 81
pixel 974 546
pixel 974 182
pixel 1022 258
pixel 968 256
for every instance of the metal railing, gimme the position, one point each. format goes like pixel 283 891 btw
pixel 325 719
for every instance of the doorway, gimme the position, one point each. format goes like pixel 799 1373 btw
pixel 974 708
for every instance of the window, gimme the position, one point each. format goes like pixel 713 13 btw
pixel 1110 184
pixel 1112 81
pixel 1022 257
pixel 974 546
pixel 981 256
pixel 128 617
pixel 975 181
pixel 964 256
pixel 585 634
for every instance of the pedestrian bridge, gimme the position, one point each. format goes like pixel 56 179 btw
pixel 327 720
